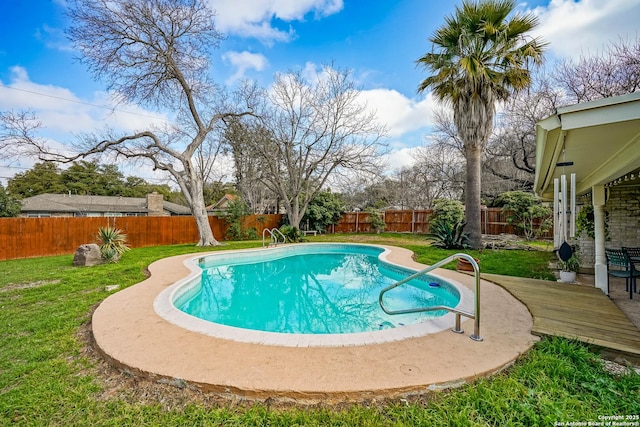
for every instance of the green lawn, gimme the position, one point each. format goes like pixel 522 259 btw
pixel 47 376
pixel 521 263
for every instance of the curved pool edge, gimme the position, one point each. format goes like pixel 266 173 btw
pixel 165 308
pixel 129 333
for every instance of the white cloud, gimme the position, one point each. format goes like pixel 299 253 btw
pixel 400 114
pixel 254 18
pixel 53 38
pixel 585 26
pixel 62 113
pixel 400 157
pixel 407 120
pixel 244 61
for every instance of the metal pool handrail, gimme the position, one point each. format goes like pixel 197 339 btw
pixel 475 315
pixel 274 238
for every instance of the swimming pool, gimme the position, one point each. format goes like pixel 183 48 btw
pixel 306 294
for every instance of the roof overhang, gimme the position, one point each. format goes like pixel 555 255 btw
pixel 599 141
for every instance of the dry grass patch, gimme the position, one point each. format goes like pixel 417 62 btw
pixel 30 285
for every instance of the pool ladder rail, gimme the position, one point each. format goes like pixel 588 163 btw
pixel 274 237
pixel 457 329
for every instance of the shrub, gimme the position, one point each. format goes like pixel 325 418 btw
pixel 377 219
pixel 292 234
pixel 251 234
pixel 113 243
pixel 236 210
pixel 447 211
pixel 325 209
pixel 524 209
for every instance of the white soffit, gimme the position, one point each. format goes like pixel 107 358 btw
pixel 601 138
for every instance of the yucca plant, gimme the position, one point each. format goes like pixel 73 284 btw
pixel 113 243
pixel 447 235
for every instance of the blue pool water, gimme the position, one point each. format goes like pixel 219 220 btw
pixel 322 289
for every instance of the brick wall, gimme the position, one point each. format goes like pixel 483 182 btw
pixel 623 208
pixel 623 223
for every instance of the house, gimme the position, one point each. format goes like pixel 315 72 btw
pixel 221 205
pixel 599 142
pixel 70 205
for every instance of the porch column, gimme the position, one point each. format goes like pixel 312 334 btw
pixel 600 266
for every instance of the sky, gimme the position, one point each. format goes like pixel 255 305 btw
pixel 379 40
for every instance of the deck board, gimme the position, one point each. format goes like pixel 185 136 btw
pixel 572 311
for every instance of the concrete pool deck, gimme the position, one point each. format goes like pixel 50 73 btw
pixel 131 335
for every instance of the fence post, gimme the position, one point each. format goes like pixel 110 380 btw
pixel 413 221
pixel 356 221
pixel 483 212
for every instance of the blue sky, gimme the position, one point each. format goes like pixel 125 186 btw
pixel 378 39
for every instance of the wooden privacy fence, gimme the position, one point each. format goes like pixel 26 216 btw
pixel 395 221
pixel 493 221
pixel 31 237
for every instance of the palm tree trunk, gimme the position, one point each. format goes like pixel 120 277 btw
pixel 472 195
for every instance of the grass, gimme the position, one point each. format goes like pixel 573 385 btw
pixel 532 262
pixel 48 378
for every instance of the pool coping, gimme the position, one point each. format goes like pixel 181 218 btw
pixel 164 307
pixel 132 336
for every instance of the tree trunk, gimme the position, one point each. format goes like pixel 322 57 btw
pixel 192 186
pixel 472 196
pixel 204 228
pixel 199 211
pixel 293 213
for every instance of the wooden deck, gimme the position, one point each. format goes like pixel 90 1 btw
pixel 573 311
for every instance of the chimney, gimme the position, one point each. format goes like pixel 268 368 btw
pixel 155 204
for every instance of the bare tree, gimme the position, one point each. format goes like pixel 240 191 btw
pixel 445 133
pixel 614 72
pixel 249 167
pixel 439 172
pixel 511 151
pixel 510 155
pixel 365 193
pixel 156 53
pixel 310 132
pixel 17 126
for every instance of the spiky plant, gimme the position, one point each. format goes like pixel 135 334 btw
pixel 113 243
pixel 447 235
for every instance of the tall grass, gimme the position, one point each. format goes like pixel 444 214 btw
pixel 48 378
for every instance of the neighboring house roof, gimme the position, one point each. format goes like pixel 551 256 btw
pixel 601 138
pixel 80 203
pixel 223 203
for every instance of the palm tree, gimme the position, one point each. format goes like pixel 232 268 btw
pixel 478 58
